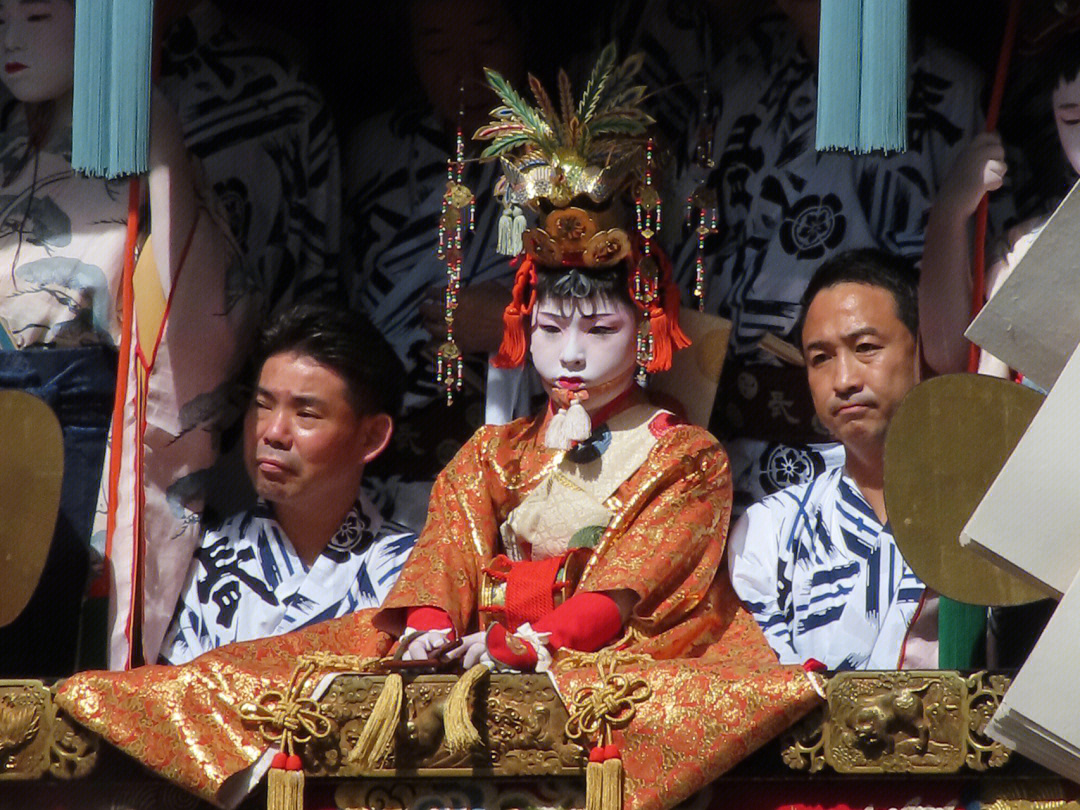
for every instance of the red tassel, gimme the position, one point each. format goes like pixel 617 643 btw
pixel 672 303
pixel 661 335
pixel 512 351
pixel 279 761
pixel 668 337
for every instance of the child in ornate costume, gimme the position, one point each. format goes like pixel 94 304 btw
pixel 599 523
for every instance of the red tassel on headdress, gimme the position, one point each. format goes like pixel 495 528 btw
pixel 667 336
pixel 512 351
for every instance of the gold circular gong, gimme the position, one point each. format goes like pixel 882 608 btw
pixel 945 446
pixel 30 474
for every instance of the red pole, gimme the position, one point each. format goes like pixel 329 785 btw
pixel 978 263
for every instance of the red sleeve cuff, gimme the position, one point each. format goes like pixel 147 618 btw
pixel 586 621
pixel 428 618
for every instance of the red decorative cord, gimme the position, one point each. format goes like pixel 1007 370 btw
pixel 978 285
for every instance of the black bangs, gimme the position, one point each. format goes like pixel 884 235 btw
pixel 583 282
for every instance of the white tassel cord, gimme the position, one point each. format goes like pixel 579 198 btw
pixel 511 227
pixel 568 427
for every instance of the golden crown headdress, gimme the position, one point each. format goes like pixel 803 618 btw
pixel 571 167
pixel 584 152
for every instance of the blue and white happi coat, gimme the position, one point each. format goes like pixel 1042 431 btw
pixel 823 578
pixel 247 582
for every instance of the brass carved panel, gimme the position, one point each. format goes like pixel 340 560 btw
pixel 36 739
pixel 520 717
pixel 26 715
pixel 73 749
pixel 897 721
pixel 901 722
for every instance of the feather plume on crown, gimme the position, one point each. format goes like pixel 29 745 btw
pixel 588 149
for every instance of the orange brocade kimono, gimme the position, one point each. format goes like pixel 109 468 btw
pixel 718 692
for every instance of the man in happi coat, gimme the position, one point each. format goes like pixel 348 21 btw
pixel 314 547
pixel 816 562
pixel 784 208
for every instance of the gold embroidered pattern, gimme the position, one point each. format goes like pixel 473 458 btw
pixel 284 718
pixel 596 710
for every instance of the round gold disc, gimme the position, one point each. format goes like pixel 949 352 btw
pixel 945 446
pixel 29 495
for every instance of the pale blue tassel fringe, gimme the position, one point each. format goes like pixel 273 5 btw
pixel 839 69
pixel 111 98
pixel 883 101
pixel 862 76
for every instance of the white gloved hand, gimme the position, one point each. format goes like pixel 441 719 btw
pixel 472 651
pixel 424 643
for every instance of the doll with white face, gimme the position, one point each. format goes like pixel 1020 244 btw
pixel 38 43
pixel 582 331
pixel 69 300
pixel 1064 102
pixel 583 348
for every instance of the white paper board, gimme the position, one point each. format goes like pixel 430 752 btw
pixel 1040 714
pixel 1030 516
pixel 1033 322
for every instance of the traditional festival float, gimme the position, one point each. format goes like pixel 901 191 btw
pixel 564 634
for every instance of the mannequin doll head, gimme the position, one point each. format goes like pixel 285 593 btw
pixel 38 61
pixel 38 42
pixel 593 296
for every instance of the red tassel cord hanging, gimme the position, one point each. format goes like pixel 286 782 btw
pixel 978 262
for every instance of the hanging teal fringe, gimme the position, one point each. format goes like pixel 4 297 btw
pixel 110 116
pixel 840 55
pixel 862 75
pixel 883 98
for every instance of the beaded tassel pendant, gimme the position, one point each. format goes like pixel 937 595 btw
pixel 458 217
pixel 649 211
pixel 703 213
pixel 702 208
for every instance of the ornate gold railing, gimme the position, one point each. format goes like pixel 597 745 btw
pixel 873 723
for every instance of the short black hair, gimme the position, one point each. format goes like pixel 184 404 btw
pixel 344 341
pixel 1065 60
pixel 875 267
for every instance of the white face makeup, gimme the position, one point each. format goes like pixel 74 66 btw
pixel 37 38
pixel 584 344
pixel 1066 101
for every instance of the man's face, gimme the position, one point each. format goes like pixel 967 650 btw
pixel 452 43
pixel 860 361
pixel 1066 101
pixel 304 444
pixel 585 343
pixel 38 43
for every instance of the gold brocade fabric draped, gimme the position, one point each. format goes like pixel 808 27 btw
pixel 184 722
pixel 718 692
pixel 705 714
pixel 665 541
